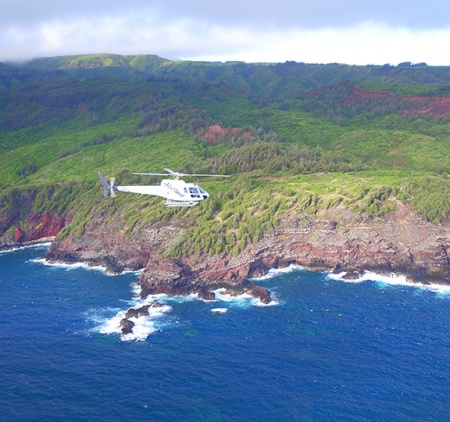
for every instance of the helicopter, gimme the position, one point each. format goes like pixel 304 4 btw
pixel 177 192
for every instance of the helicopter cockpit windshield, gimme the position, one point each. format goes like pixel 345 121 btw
pixel 196 192
pixel 203 192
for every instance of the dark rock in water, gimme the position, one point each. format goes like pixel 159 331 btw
pixel 355 275
pixel 260 292
pixel 207 294
pixel 126 326
pixel 142 311
pixel 136 313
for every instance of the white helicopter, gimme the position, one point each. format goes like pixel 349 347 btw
pixel 178 193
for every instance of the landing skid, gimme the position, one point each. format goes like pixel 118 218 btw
pixel 174 203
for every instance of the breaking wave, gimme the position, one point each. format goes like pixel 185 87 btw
pixel 392 279
pixel 44 245
pixel 84 266
pixel 275 272
pixel 244 300
pixel 219 310
pixel 108 321
pixel 69 267
pixel 143 325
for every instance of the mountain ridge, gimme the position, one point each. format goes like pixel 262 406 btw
pixel 284 78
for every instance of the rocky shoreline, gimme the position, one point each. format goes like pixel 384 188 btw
pixel 335 240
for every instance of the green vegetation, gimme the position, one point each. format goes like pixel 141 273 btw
pixel 295 137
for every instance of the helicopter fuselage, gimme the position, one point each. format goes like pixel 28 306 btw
pixel 177 192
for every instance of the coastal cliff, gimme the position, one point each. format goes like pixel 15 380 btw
pixel 333 240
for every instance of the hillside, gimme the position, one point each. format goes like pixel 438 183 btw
pixel 63 118
pixel 318 154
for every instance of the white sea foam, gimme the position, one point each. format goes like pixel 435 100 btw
pixel 44 245
pixel 73 266
pixel 392 280
pixel 160 297
pixel 243 300
pixel 110 325
pixel 274 272
pixel 219 310
pixel 8 250
pixel 137 272
pixel 144 325
pixel 182 299
pixel 84 266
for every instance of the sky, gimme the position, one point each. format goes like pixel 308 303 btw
pixel 356 32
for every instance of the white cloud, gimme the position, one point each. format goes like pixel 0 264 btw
pixel 363 44
pixel 188 38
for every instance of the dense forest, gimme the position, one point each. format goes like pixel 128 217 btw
pixel 292 135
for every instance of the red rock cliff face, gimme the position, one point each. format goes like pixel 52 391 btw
pixel 44 224
pixel 38 226
pixel 337 240
pixel 20 224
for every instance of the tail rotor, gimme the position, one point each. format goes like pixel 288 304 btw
pixel 112 193
pixel 108 189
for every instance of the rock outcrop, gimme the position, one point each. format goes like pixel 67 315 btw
pixel 127 325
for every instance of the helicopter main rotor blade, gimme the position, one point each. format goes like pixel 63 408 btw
pixel 176 174
pixel 205 175
pixel 173 173
pixel 154 174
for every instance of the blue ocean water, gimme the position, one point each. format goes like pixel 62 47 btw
pixel 329 350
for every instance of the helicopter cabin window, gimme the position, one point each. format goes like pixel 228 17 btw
pixel 194 192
